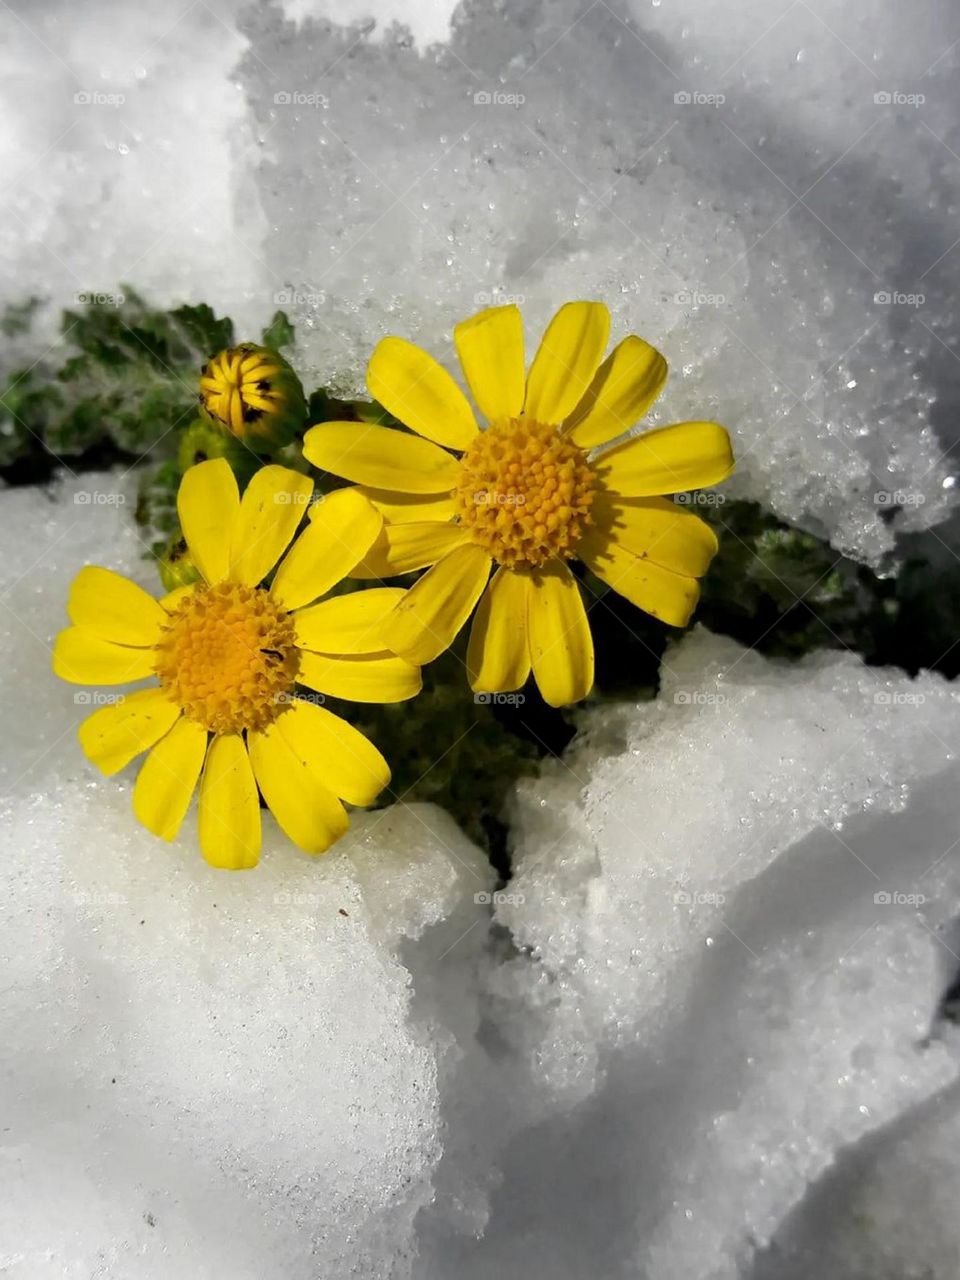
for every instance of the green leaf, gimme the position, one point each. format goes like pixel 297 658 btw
pixel 278 333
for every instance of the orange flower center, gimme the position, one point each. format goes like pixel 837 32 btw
pixel 228 657
pixel 525 492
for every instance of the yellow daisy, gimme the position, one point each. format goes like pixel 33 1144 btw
pixel 526 494
pixel 229 654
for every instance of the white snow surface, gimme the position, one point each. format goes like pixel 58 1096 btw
pixel 703 1035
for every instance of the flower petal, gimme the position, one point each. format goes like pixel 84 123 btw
pixel 403 548
pixel 623 389
pixel 490 347
pixel 349 764
pixel 295 791
pixel 342 527
pixel 668 596
pixel 420 393
pixel 229 806
pixel 431 613
pixel 373 677
pixel 498 655
pixel 114 608
pixel 166 783
pixel 347 624
pixel 381 457
pixel 687 455
pixel 402 508
pixel 83 658
pixel 112 736
pixel 655 528
pixel 273 504
pixel 569 354
pixel 561 646
pixel 208 503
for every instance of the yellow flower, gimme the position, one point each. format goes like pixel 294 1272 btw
pixel 229 654
pixel 254 394
pixel 526 494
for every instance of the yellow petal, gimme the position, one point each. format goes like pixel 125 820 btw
pixel 569 354
pixel 295 791
pixel 208 502
pixel 561 646
pixel 381 457
pixel 431 613
pixel 490 347
pixel 403 548
pixel 420 393
pixel 114 608
pixel 498 655
pixel 166 783
pixel 655 528
pixel 623 389
pixel 273 504
pixel 668 596
pixel 347 624
pixel 83 658
pixel 229 806
pixel 349 764
pixel 173 599
pixel 112 736
pixel 402 508
pixel 687 455
pixel 342 527
pixel 375 677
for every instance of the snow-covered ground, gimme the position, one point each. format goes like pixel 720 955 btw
pixel 703 1037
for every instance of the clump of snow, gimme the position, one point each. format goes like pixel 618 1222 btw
pixel 735 184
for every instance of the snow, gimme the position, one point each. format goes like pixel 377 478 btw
pixel 701 1036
